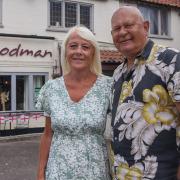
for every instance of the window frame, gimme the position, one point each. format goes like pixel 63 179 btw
pixel 159 10
pixel 63 28
pixel 1 13
pixel 29 88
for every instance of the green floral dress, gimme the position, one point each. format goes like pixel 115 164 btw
pixel 78 150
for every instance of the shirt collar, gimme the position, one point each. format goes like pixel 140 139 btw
pixel 146 51
pixel 144 54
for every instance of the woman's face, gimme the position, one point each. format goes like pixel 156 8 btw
pixel 79 53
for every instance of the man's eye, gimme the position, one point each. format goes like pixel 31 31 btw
pixel 128 26
pixel 117 29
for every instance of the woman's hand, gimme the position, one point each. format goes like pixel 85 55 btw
pixel 178 173
pixel 40 178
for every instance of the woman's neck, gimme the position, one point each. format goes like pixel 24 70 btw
pixel 80 75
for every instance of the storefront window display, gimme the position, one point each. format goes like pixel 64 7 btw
pixel 5 93
pixel 19 92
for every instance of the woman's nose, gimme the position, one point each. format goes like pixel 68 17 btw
pixel 79 49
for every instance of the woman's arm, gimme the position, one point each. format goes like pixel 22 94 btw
pixel 44 149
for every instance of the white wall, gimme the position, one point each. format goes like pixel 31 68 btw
pixel 24 17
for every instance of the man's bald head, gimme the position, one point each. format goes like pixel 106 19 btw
pixel 130 9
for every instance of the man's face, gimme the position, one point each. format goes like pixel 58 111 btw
pixel 129 32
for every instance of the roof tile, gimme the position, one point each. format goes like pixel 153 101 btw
pixel 111 56
pixel 175 3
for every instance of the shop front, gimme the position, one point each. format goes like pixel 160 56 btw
pixel 26 63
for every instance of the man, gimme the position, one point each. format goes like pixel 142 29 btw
pixel 145 102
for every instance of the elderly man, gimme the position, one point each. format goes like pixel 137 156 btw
pixel 145 102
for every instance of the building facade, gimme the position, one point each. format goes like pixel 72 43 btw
pixel 31 33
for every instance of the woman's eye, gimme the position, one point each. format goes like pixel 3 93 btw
pixel 85 47
pixel 73 46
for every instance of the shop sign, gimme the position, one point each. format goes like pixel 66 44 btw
pixel 20 51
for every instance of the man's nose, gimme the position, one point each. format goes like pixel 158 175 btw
pixel 122 31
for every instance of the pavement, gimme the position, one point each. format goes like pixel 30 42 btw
pixel 19 157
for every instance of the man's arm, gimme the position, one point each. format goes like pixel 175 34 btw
pixel 178 172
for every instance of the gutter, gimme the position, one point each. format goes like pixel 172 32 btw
pixel 27 36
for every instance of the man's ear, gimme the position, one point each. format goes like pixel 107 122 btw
pixel 146 26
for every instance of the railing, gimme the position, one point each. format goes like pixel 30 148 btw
pixel 18 119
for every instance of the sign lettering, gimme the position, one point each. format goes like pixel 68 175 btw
pixel 19 51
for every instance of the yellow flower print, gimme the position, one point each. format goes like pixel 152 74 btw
pixel 158 106
pixel 111 158
pixel 138 171
pixel 126 90
pixel 124 172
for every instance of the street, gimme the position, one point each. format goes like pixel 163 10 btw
pixel 19 159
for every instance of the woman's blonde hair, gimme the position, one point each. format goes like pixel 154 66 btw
pixel 87 35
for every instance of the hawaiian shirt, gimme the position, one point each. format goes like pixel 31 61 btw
pixel 144 116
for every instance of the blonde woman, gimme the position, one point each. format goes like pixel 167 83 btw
pixel 75 105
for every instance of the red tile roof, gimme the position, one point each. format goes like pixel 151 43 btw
pixel 111 56
pixel 175 3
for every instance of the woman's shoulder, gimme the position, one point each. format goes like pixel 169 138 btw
pixel 52 83
pixel 106 79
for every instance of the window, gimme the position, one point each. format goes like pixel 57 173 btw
pixel 20 91
pixel 65 14
pixel 158 18
pixel 0 13
pixel 5 93
pixel 38 82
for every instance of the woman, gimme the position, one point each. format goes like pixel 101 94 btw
pixel 75 105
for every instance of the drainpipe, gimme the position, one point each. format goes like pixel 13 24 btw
pixel 60 67
pixel 57 70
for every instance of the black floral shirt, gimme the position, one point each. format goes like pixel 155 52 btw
pixel 144 116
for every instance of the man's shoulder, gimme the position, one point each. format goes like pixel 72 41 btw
pixel 118 71
pixel 167 54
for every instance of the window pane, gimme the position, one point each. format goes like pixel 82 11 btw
pixel 0 12
pixel 152 15
pixel 20 92
pixel 85 16
pixel 55 13
pixel 38 82
pixel 70 14
pixel 5 93
pixel 164 23
pixel 154 21
pixel 145 12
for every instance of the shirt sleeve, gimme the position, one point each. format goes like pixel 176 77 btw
pixel 173 86
pixel 43 99
pixel 173 83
